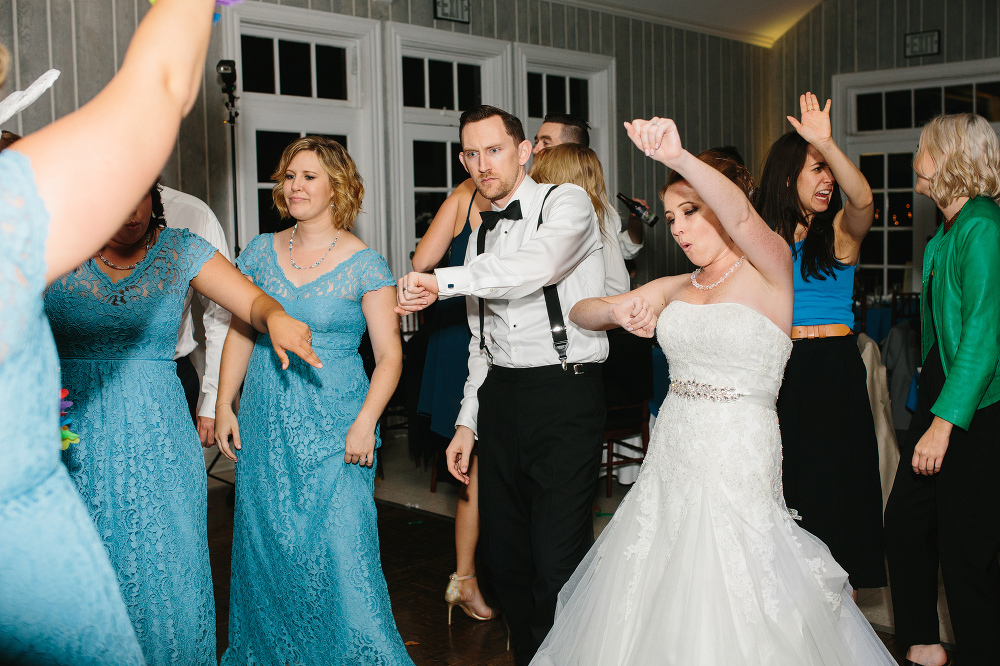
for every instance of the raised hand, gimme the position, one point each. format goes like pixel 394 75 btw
pixel 657 138
pixel 815 124
pixel 636 316
pixel 291 335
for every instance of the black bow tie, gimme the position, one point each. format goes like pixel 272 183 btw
pixel 492 217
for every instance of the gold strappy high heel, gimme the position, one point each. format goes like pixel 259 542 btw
pixel 453 596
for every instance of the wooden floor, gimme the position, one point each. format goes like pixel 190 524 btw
pixel 417 557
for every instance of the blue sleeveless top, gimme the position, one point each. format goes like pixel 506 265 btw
pixel 826 301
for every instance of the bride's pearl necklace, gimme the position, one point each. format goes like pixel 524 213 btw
pixel 715 284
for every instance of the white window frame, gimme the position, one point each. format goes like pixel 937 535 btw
pixel 599 71
pixel 364 61
pixel 494 59
pixel 847 87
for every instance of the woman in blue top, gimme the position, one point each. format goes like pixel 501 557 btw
pixel 830 452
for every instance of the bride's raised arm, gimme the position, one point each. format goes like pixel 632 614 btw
pixel 765 250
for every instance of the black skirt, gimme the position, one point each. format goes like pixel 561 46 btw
pixel 830 467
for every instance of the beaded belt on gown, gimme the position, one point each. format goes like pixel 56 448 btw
pixel 693 390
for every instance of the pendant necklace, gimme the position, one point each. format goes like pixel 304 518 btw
pixel 305 268
pixel 149 243
pixel 715 284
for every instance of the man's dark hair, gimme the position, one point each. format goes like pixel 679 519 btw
pixel 574 129
pixel 513 126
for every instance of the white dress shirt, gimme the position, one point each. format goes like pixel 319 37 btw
pixel 628 248
pixel 519 259
pixel 616 280
pixel 184 211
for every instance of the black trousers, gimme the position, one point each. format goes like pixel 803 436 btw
pixel 189 380
pixel 953 519
pixel 540 434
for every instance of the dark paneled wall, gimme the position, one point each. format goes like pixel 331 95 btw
pixel 715 88
pixel 840 36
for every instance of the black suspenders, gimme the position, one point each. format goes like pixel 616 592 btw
pixel 557 325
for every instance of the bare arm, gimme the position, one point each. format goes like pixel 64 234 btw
pixel 856 218
pixel 220 281
pixel 383 329
pixel 766 250
pixel 233 369
pixel 122 137
pixel 635 311
pixel 432 247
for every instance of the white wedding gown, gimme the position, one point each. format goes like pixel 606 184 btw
pixel 702 564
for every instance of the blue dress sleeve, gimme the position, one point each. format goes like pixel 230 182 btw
pixel 249 258
pixel 193 251
pixel 375 274
pixel 24 225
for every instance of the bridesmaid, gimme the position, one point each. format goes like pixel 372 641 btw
pixel 59 601
pixel 138 465
pixel 307 584
pixel 830 467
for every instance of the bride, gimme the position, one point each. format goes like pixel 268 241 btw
pixel 702 563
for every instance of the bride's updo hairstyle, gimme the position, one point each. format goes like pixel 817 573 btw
pixel 345 181
pixel 722 163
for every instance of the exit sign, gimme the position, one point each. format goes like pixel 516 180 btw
pixel 926 43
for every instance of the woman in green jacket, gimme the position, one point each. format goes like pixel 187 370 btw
pixel 945 503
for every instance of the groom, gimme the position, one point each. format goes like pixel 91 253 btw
pixel 537 412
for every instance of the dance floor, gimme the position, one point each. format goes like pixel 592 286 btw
pixel 417 556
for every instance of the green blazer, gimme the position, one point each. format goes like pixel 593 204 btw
pixel 965 300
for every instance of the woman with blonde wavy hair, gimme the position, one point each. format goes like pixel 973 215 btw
pixel 945 503
pixel 307 585
pixel 577 164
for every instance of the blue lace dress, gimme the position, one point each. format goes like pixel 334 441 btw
pixel 139 464
pixel 59 602
pixel 307 584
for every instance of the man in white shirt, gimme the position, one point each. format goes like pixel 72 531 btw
pixel 184 211
pixel 539 420
pixel 559 128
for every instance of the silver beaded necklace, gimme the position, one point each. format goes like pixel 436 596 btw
pixel 305 268
pixel 715 284
pixel 149 243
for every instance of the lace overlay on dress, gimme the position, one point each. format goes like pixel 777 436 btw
pixel 307 585
pixel 702 562
pixel 59 601
pixel 139 466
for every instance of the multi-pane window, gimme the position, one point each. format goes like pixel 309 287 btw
pixel 441 84
pixel 436 172
pixel 269 147
pixel 555 93
pixel 296 68
pixel 912 107
pixel 888 248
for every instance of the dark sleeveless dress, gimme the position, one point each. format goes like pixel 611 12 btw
pixel 446 366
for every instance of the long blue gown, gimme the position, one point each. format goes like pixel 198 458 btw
pixel 139 465
pixel 59 601
pixel 307 585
